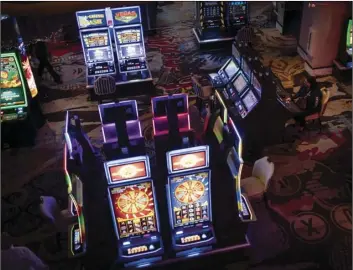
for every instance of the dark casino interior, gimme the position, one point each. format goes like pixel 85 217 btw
pixel 176 135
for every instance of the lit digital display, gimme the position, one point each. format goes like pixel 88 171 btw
pixel 190 199
pixel 250 101
pixel 96 39
pixel 231 69
pixel 86 19
pixel 129 36
pixel 101 54
pixel 13 93
pixel 131 51
pixel 134 209
pixel 189 161
pixel 128 171
pixel 240 83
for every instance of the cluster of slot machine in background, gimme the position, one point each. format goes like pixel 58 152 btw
pixel 113 44
pixel 131 184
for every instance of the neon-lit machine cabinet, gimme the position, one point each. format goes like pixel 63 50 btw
pixel 121 128
pixel 210 19
pixel 225 73
pixel 72 162
pixel 96 44
pixel 189 200
pixel 236 15
pixel 134 210
pixel 130 47
pixel 18 125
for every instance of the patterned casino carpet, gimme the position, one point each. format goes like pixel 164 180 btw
pixel 307 224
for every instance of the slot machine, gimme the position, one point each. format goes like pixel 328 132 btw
pixel 236 15
pixel 189 200
pixel 134 210
pixel 121 129
pixel 130 45
pixel 72 162
pixel 96 44
pixel 18 126
pixel 210 19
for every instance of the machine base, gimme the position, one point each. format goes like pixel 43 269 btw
pixel 342 73
pixel 193 252
pixel 143 262
pixel 213 41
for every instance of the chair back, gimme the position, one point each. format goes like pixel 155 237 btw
pixel 263 170
pixel 104 85
pixel 325 98
pixel 49 208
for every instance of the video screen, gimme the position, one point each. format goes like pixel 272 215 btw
pixel 98 38
pixel 76 240
pixel 250 101
pixel 190 199
pixel 218 129
pixel 349 38
pixel 129 35
pixel 13 93
pixel 240 83
pixel 134 209
pixel 188 161
pixel 231 69
pixel 129 171
pixel 99 55
pixel 256 85
pixel 246 69
pixel 131 51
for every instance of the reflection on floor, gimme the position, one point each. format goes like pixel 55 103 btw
pixel 308 222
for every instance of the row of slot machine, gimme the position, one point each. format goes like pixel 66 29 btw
pixel 113 44
pixel 252 97
pixel 219 20
pixel 137 194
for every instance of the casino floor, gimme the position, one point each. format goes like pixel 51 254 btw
pixel 312 178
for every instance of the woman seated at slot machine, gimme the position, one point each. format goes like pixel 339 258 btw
pixel 311 94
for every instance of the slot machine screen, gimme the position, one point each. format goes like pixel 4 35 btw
pixel 250 100
pixel 76 244
pixel 256 85
pixel 123 172
pixel 231 69
pixel 98 55
pixel 188 159
pixel 131 51
pixel 13 93
pixel 190 199
pixel 211 9
pixel 133 208
pixel 99 38
pixel 128 36
pixel 240 83
pixel 246 69
pixel 236 54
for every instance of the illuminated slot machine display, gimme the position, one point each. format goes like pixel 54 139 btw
pixel 349 38
pixel 96 44
pixel 189 200
pixel 225 73
pixel 130 44
pixel 235 165
pixel 134 211
pixel 211 26
pixel 19 121
pixel 72 159
pixel 236 14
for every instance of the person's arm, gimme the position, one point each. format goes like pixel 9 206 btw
pixel 300 93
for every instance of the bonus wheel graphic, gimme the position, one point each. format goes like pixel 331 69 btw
pixel 134 202
pixel 189 191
